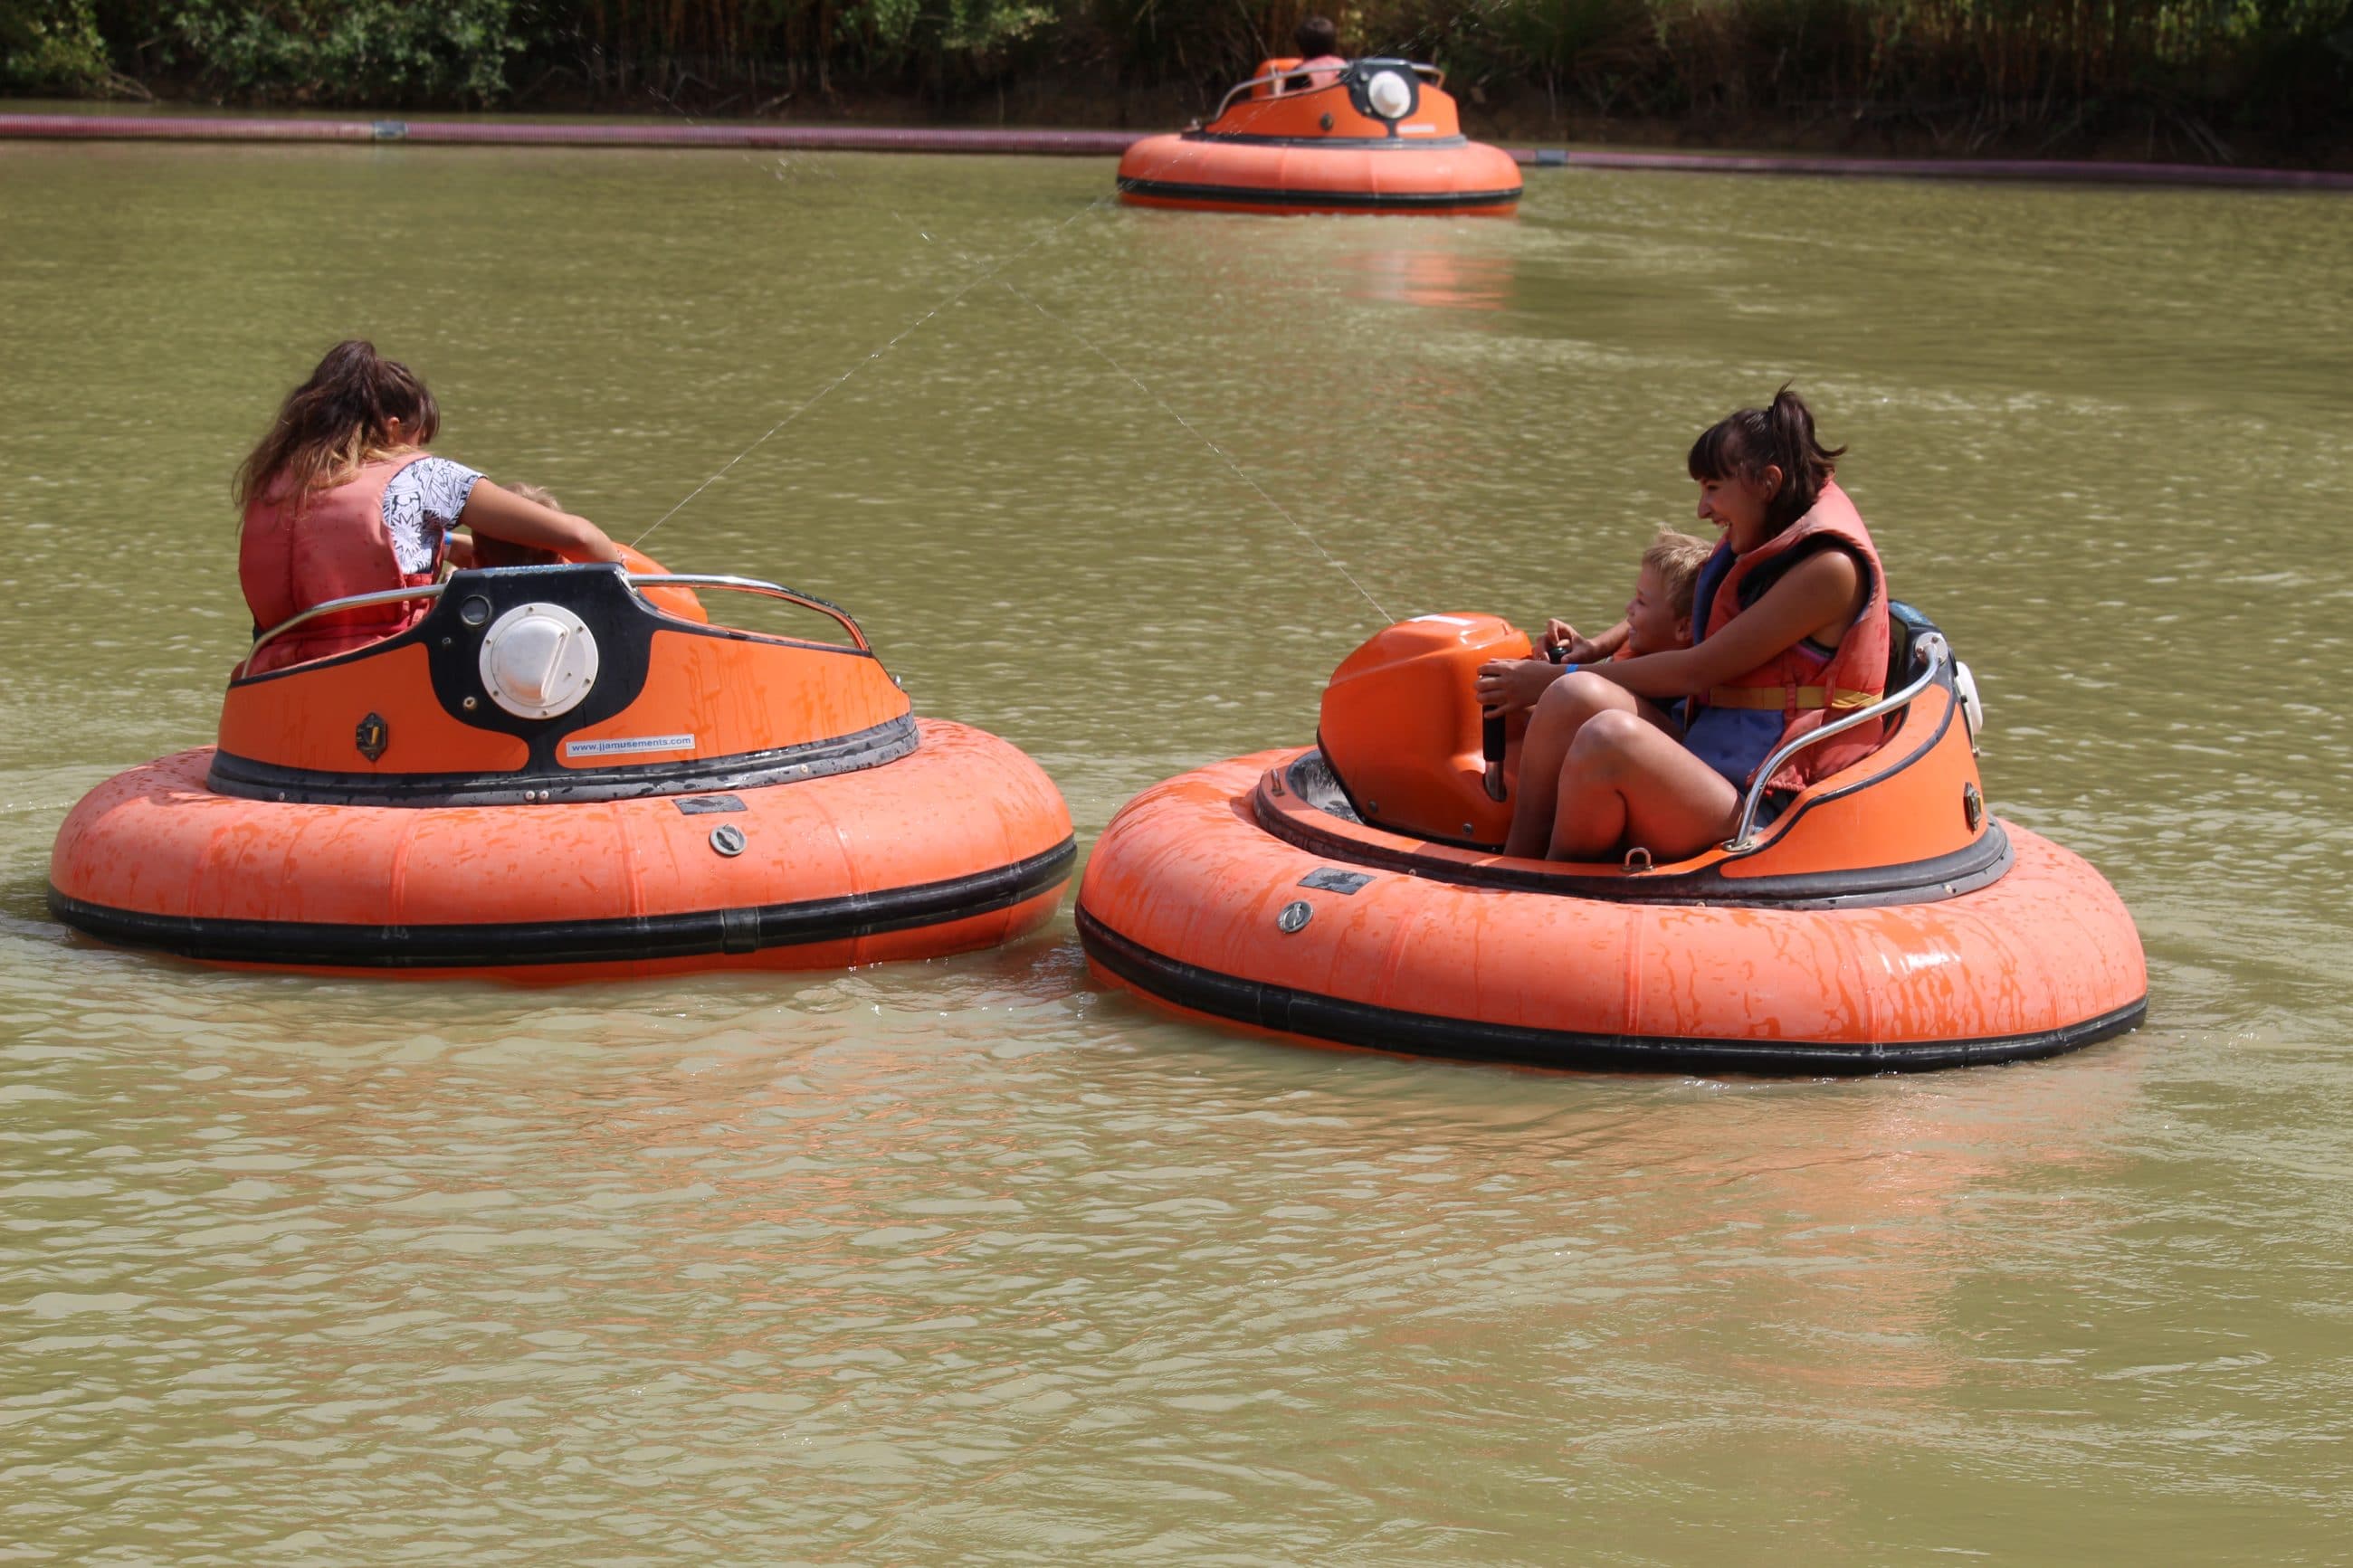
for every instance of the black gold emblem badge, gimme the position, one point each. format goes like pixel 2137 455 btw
pixel 373 736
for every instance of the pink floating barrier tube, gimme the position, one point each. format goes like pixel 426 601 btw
pixel 528 133
pixel 1091 144
pixel 2054 170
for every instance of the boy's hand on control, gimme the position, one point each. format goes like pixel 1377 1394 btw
pixel 1514 685
pixel 1574 649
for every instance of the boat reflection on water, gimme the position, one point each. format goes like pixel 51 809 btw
pixel 1436 271
pixel 1839 1261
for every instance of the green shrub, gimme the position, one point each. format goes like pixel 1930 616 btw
pixel 52 44
pixel 940 39
pixel 352 51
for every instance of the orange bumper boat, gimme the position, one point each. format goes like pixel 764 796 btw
pixel 1377 136
pixel 565 771
pixel 1346 893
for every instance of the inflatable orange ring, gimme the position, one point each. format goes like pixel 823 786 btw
pixel 959 843
pixel 2038 962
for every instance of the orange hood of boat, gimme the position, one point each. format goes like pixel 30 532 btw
pixel 1400 727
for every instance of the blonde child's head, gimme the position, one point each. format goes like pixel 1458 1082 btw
pixel 1659 617
pixel 490 551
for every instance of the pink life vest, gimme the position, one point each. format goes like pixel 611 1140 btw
pixel 334 544
pixel 1322 70
pixel 1808 691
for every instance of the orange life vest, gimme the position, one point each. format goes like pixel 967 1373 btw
pixel 1808 691
pixel 333 545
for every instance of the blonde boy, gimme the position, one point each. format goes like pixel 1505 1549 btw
pixel 1658 618
pixel 1659 615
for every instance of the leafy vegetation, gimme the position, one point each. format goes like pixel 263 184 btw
pixel 350 51
pixel 53 45
pixel 1963 73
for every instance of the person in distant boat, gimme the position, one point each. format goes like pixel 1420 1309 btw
pixel 1319 60
pixel 340 497
pixel 1789 631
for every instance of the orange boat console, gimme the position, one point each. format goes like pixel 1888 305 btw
pixel 1380 135
pixel 1352 893
pixel 563 769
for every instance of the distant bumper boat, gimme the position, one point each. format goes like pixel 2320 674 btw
pixel 1343 893
pixel 1376 136
pixel 563 772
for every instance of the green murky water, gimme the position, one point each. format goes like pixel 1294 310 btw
pixel 966 1261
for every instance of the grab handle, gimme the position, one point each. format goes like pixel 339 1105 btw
pixel 1931 651
pixel 1491 750
pixel 751 585
pixel 349 602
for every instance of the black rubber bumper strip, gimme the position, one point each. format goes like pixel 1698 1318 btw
pixel 1349 1023
pixel 739 931
pixel 1368 201
pixel 1334 143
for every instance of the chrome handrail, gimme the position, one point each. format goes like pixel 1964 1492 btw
pixel 1931 647
pixel 754 585
pixel 634 579
pixel 1431 74
pixel 349 602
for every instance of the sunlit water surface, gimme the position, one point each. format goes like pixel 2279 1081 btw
pixel 969 1261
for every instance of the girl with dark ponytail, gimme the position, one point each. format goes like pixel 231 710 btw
pixel 1774 449
pixel 1789 631
pixel 340 497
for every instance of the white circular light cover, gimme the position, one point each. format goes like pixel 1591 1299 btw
pixel 1972 705
pixel 1390 95
pixel 538 660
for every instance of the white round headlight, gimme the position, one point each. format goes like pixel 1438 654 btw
pixel 1972 706
pixel 538 660
pixel 1390 95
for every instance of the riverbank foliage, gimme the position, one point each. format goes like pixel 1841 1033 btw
pixel 2216 78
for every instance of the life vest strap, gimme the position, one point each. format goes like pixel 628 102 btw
pixel 1779 699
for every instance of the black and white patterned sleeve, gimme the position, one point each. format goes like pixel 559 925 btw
pixel 421 506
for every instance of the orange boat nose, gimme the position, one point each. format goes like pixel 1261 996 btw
pixel 1402 729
